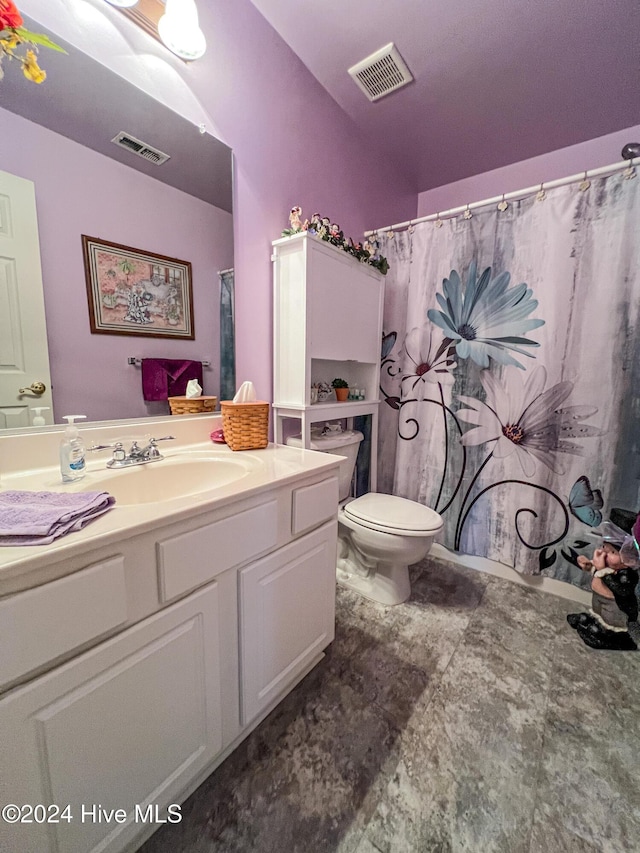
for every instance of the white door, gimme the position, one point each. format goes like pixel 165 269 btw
pixel 24 355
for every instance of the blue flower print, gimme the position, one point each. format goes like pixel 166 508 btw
pixel 487 320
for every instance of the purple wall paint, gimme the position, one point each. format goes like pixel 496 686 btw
pixel 87 193
pixel 292 143
pixel 602 151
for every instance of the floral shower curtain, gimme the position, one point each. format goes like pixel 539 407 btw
pixel 227 336
pixel 511 372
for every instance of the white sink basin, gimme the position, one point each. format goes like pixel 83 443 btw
pixel 168 479
pixel 179 476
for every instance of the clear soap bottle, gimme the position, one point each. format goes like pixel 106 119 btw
pixel 37 419
pixel 72 451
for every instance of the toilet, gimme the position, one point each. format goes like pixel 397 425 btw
pixel 379 536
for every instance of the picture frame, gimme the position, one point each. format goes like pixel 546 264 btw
pixel 138 293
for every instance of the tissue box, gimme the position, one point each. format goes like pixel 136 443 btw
pixel 245 425
pixel 191 405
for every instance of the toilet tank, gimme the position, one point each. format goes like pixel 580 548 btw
pixel 344 443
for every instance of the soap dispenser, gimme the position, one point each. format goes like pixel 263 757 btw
pixel 72 451
pixel 37 419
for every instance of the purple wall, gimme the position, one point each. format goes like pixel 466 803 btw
pixel 292 143
pixel 87 193
pixel 592 154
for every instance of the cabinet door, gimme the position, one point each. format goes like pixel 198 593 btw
pixel 129 722
pixel 344 309
pixel 287 616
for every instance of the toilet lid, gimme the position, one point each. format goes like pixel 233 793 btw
pixel 391 513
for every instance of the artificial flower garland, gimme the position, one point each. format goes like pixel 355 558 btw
pixel 322 227
pixel 13 35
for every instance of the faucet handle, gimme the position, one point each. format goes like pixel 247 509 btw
pixel 153 452
pixel 119 453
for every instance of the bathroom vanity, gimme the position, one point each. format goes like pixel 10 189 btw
pixel 137 653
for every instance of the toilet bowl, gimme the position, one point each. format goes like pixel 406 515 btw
pixel 379 536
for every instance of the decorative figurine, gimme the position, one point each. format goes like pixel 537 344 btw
pixel 294 218
pixel 612 621
pixel 322 227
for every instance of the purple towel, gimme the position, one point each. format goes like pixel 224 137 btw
pixel 168 377
pixel 37 518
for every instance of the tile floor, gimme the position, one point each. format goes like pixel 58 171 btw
pixel 471 718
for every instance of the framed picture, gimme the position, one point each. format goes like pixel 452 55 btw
pixel 132 292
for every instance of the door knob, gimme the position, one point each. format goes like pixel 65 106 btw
pixel 37 388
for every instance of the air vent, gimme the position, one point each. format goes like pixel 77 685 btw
pixel 382 72
pixel 153 155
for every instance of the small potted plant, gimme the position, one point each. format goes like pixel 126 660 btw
pixel 341 388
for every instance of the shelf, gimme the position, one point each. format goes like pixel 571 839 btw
pixel 328 411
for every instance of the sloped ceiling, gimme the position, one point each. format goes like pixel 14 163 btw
pixel 85 101
pixel 496 81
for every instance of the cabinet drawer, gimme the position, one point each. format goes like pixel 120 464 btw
pixel 311 505
pixel 191 559
pixel 43 623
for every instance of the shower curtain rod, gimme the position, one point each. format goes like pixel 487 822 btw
pixel 517 194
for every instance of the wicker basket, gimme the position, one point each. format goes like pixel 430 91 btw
pixel 245 425
pixel 191 405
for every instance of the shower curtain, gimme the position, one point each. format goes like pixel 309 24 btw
pixel 511 372
pixel 227 336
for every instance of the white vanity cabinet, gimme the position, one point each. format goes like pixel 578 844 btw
pixel 130 722
pixel 328 310
pixel 211 619
pixel 287 616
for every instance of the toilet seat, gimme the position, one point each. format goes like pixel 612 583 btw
pixel 392 514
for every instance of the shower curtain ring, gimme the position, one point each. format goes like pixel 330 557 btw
pixel 541 193
pixel 438 222
pixel 503 204
pixel 467 214
pixel 585 183
pixel 629 172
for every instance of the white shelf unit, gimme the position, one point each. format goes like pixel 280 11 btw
pixel 327 323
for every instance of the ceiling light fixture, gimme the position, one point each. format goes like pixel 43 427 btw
pixel 179 29
pixel 123 4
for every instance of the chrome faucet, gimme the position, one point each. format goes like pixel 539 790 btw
pixel 135 456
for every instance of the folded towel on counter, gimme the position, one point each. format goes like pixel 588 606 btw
pixel 168 377
pixel 37 518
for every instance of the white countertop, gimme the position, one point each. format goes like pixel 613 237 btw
pixel 274 466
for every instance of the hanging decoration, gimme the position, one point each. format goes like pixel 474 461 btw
pixel 21 45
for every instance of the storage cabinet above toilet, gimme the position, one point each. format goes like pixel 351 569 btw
pixel 327 323
pixel 327 319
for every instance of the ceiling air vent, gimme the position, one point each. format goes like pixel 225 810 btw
pixel 153 155
pixel 382 72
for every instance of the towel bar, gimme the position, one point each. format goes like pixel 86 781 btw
pixel 138 361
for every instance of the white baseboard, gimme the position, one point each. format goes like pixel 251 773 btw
pixel 492 567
